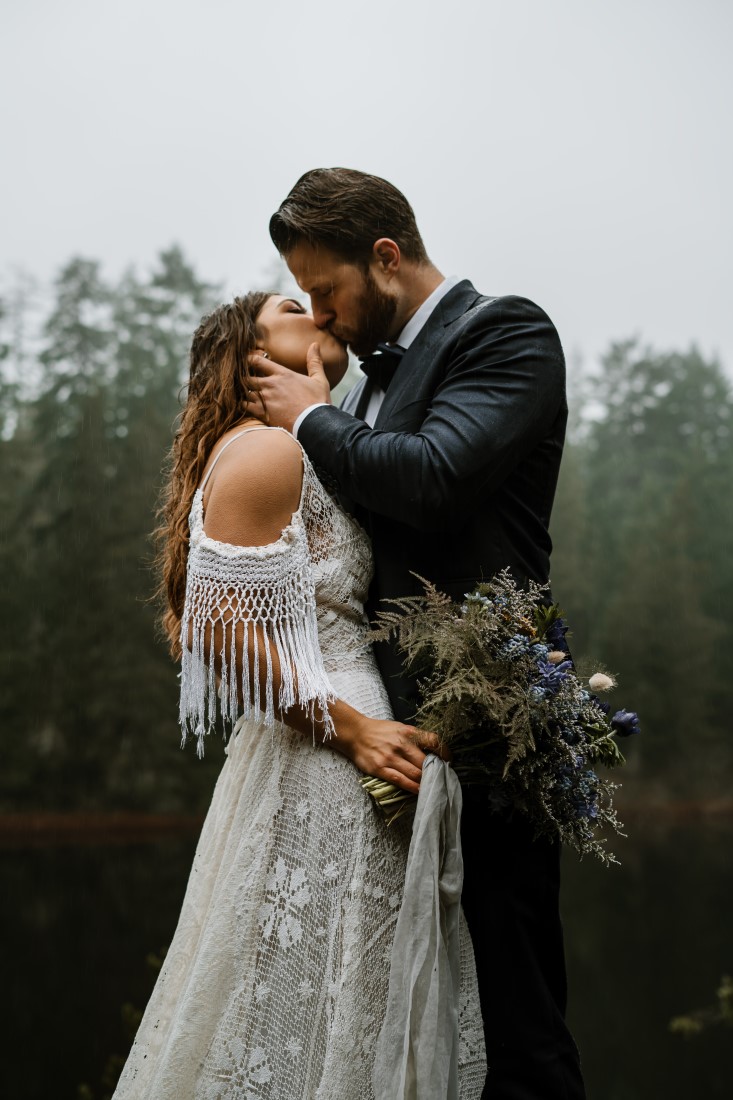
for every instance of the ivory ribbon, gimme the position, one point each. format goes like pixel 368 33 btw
pixel 417 1048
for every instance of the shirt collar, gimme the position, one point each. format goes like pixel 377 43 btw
pixel 420 317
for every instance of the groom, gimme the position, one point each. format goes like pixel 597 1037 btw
pixel 449 449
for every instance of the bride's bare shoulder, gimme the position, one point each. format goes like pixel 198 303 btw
pixel 254 488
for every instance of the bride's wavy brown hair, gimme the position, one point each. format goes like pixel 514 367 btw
pixel 216 400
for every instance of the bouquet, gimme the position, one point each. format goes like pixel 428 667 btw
pixel 499 688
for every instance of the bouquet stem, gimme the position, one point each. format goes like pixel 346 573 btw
pixel 391 800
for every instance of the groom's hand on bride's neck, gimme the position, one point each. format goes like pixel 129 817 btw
pixel 279 395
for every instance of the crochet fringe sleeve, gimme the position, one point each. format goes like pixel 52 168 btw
pixel 238 598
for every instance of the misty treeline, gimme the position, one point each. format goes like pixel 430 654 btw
pixel 90 378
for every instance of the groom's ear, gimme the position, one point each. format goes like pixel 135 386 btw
pixel 386 253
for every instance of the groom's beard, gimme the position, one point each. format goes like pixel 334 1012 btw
pixel 375 311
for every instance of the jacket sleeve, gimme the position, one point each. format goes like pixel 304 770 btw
pixel 502 389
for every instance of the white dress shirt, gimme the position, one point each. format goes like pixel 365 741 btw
pixel 408 335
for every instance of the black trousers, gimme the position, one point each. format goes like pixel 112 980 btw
pixel 511 902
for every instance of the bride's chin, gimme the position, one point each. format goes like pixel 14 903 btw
pixel 335 356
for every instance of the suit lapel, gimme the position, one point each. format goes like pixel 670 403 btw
pixel 363 398
pixel 356 403
pixel 424 347
pixel 356 398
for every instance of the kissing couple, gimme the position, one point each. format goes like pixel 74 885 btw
pixel 304 967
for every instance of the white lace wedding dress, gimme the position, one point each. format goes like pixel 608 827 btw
pixel 275 985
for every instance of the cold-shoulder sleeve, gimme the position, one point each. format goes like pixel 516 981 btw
pixel 245 602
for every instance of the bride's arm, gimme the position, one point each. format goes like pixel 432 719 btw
pixel 254 490
pixel 251 501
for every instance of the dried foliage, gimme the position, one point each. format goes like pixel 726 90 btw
pixel 498 686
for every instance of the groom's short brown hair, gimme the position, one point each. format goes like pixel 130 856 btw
pixel 346 211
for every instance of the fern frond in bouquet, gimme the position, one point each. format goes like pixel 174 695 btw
pixel 499 688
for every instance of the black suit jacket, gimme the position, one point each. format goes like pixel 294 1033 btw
pixel 457 478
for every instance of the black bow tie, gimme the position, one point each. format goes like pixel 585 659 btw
pixel 379 367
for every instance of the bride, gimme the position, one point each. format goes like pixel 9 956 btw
pixel 279 976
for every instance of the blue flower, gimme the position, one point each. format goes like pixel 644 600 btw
pixel 553 675
pixel 581 785
pixel 586 809
pixel 625 723
pixel 555 634
pixel 584 798
pixel 539 651
pixel 517 646
pixel 601 704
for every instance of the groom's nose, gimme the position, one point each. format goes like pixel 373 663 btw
pixel 323 316
pixel 322 308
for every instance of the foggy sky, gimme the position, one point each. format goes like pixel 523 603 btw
pixel 574 151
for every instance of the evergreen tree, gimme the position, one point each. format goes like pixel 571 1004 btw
pixel 154 320
pixel 641 530
pixel 67 513
pixel 642 527
pixel 93 705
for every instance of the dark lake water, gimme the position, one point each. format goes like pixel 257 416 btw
pixel 645 941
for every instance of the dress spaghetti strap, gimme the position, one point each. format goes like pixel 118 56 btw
pixel 221 452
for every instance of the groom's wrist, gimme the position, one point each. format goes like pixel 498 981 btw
pixel 306 412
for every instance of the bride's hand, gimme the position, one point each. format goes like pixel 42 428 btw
pixel 388 750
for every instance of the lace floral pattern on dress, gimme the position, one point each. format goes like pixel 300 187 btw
pixel 275 984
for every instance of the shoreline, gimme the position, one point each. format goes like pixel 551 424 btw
pixel 125 827
pixel 18 830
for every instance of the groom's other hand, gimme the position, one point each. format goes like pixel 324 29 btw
pixel 280 395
